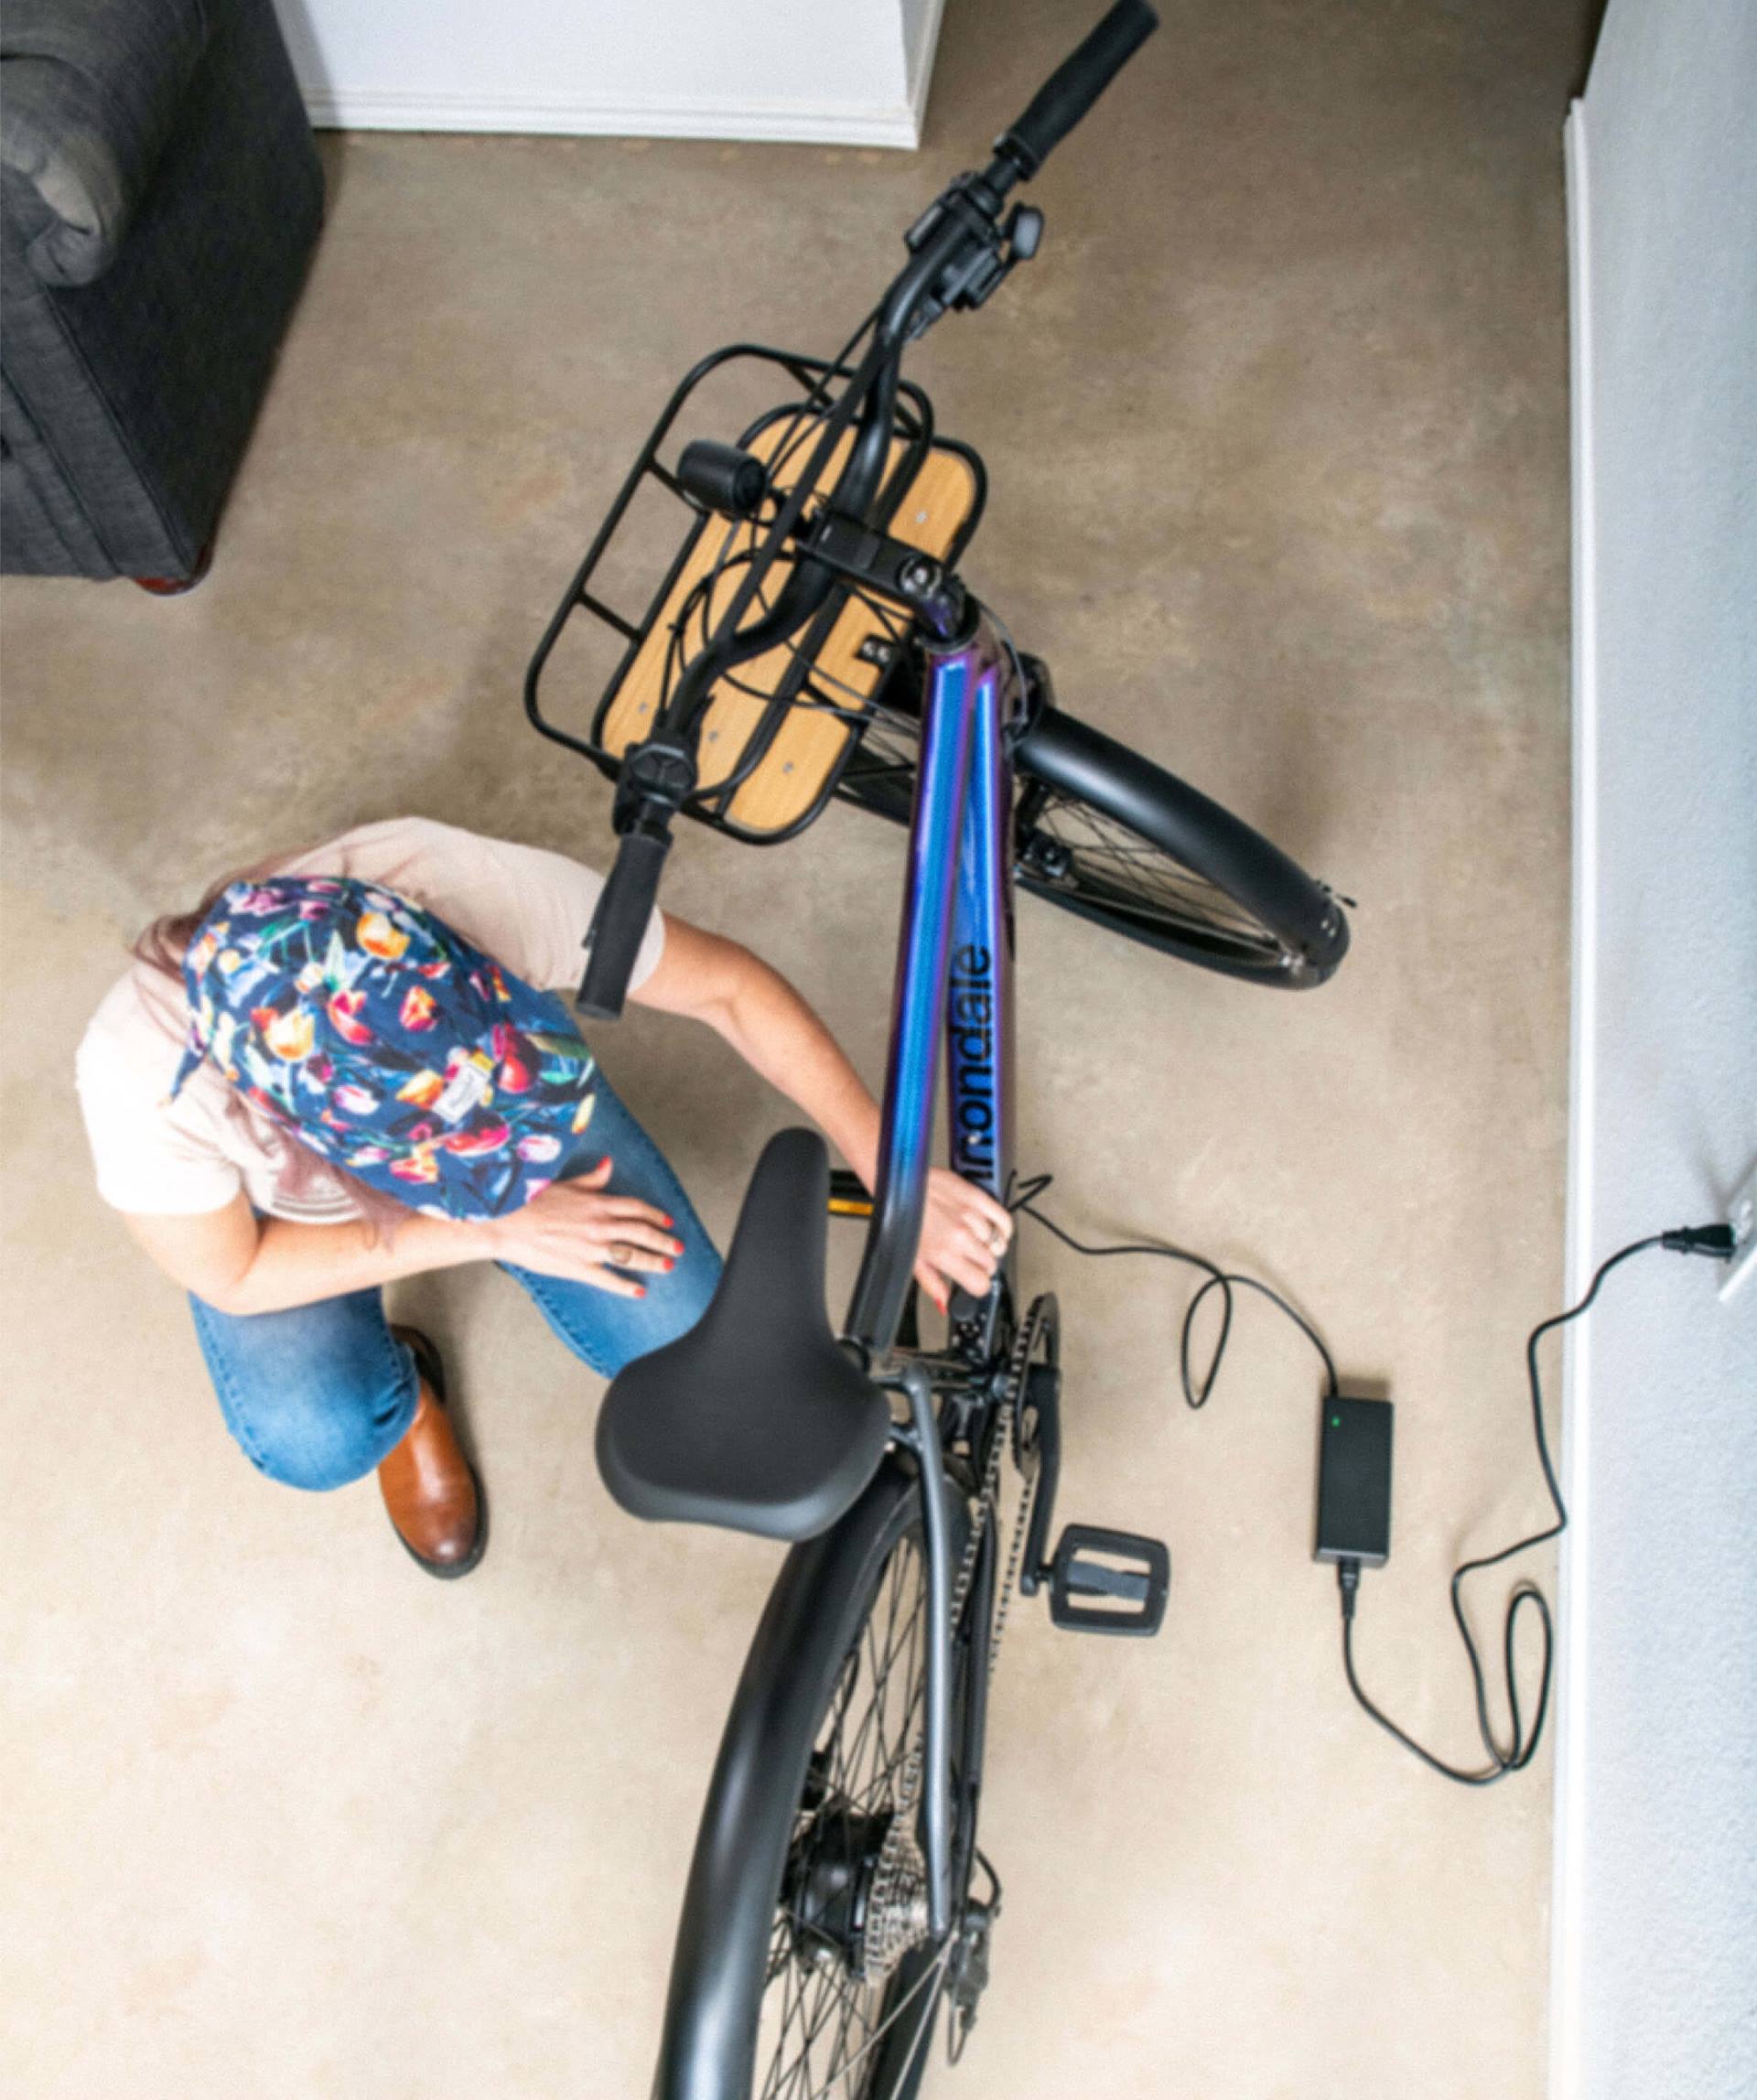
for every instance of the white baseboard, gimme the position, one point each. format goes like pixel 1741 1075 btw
pixel 918 65
pixel 783 121
pixel 1573 1601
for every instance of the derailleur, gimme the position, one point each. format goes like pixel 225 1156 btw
pixel 967 1969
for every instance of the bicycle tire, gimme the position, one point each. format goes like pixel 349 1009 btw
pixel 757 1828
pixel 1114 838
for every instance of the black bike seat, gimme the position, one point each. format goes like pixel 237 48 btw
pixel 756 1419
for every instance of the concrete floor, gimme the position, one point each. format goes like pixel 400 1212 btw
pixel 1277 427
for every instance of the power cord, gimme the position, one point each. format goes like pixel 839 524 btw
pixel 1715 1241
pixel 1196 1391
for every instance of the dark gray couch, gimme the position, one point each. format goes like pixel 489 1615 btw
pixel 159 197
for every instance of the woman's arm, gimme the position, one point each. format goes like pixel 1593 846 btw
pixel 709 979
pixel 240 1263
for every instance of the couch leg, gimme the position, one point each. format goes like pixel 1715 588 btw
pixel 174 586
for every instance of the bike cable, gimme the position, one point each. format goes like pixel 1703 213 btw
pixel 1715 1242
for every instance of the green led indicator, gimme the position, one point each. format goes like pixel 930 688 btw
pixel 1335 1421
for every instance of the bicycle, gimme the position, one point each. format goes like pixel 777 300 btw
pixel 812 640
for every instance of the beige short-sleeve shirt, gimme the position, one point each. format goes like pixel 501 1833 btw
pixel 527 908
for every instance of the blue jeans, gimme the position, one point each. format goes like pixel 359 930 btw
pixel 318 1395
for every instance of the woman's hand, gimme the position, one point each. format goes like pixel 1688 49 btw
pixel 964 1234
pixel 576 1231
pixel 704 978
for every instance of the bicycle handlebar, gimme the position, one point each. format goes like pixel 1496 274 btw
pixel 624 908
pixel 1075 85
pixel 967 217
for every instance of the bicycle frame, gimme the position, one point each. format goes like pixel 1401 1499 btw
pixel 954 985
pixel 955 973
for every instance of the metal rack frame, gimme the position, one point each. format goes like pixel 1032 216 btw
pixel 913 425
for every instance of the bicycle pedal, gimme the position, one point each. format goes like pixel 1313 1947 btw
pixel 1103 1581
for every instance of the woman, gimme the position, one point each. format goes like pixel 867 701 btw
pixel 349 1066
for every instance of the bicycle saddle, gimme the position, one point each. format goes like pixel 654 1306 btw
pixel 756 1419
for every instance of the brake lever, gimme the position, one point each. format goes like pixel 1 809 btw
pixel 988 255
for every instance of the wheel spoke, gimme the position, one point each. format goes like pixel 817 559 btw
pixel 1073 853
pixel 820 2021
pixel 1108 863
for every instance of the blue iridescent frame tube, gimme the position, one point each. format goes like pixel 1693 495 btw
pixel 955 973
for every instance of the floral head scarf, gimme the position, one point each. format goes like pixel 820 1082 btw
pixel 388 1044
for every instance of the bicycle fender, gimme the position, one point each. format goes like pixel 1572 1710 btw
pixel 1083 761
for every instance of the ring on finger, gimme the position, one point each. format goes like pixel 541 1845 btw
pixel 621 1255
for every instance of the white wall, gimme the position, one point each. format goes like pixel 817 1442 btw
pixel 1655 1983
pixel 845 71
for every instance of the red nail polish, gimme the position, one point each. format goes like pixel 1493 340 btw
pixel 666 1223
pixel 640 1291
pixel 669 1264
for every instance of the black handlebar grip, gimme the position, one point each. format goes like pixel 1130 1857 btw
pixel 1076 83
pixel 624 907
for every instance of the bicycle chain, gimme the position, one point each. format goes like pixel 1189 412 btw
pixel 1003 1438
pixel 1021 1525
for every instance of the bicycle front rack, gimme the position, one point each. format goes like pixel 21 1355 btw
pixel 779 732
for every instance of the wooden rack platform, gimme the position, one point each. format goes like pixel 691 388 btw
pixel 805 741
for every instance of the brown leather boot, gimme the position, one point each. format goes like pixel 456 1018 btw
pixel 430 1488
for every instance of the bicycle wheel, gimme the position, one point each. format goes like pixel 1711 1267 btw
pixel 1107 835
pixel 805 1970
